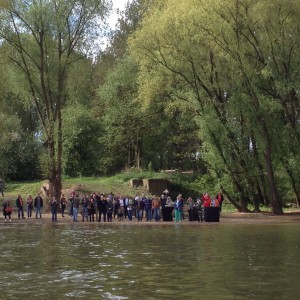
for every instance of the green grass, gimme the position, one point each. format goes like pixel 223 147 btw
pixel 116 184
pixel 12 189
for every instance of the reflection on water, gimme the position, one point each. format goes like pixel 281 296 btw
pixel 221 261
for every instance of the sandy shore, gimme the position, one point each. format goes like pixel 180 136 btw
pixel 225 217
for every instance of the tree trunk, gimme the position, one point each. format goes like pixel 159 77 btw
pixel 256 204
pixel 244 204
pixel 294 185
pixel 276 204
pixel 262 185
pixel 58 183
pixel 55 156
pixel 259 198
pixel 275 201
pixel 137 151
pixel 232 201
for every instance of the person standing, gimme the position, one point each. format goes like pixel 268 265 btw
pixel 206 200
pixel 130 208
pixel 54 207
pixel 85 206
pixel 98 206
pixel 7 210
pixel 110 198
pixel 109 209
pixel 121 208
pixel 178 206
pixel 126 199
pixel 198 211
pixel 156 208
pixel 71 203
pixel 38 204
pixel 168 210
pixel 190 209
pixel 169 202
pixel 101 206
pixel 148 209
pixel 116 206
pixel 19 204
pixel 138 210
pixel 91 209
pixel 220 199
pixel 63 205
pixel 76 203
pixel 104 208
pixel 142 206
pixel 163 201
pixel 137 206
pixel 29 206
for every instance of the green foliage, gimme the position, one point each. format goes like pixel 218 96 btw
pixel 134 173
pixel 148 133
pixel 81 145
pixel 44 40
pixel 128 22
pixel 185 185
pixel 80 83
pixel 121 112
pixel 18 150
pixel 216 57
pixel 210 86
pixel 12 188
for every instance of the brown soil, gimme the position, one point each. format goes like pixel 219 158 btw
pixel 264 217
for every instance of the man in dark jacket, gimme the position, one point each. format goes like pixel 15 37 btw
pixel 54 207
pixel 19 204
pixel 38 204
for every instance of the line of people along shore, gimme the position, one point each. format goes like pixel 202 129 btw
pixel 99 207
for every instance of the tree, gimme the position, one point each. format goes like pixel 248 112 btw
pixel 125 121
pixel 82 147
pixel 137 134
pixel 117 47
pixel 129 20
pixel 45 38
pixel 19 146
pixel 215 56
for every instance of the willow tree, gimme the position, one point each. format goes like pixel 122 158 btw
pixel 235 63
pixel 44 38
pixel 178 57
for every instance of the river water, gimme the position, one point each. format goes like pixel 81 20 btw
pixel 174 261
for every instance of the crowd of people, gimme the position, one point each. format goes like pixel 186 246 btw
pixel 100 207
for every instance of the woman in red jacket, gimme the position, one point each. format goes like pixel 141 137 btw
pixel 206 200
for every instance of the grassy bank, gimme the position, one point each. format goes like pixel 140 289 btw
pixel 119 183
pixel 80 185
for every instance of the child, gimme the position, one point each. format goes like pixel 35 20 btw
pixel 7 210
